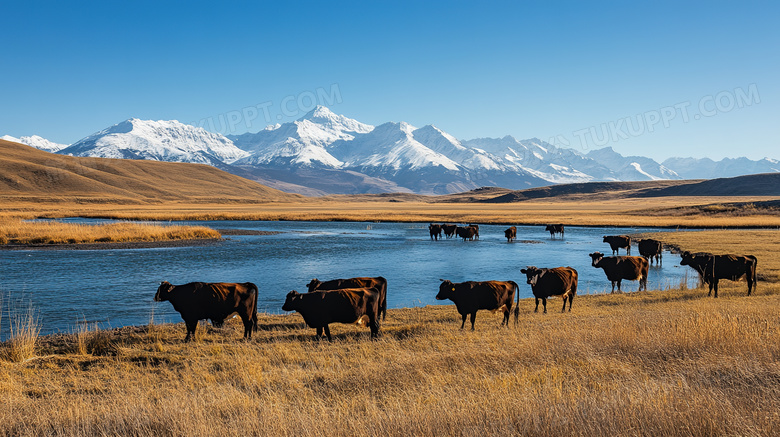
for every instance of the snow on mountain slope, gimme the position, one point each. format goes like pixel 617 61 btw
pixel 37 142
pixel 390 145
pixel 705 168
pixel 157 140
pixel 301 142
pixel 631 168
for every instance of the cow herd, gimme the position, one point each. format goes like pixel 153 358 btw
pixel 362 300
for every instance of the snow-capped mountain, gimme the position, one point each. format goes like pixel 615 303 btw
pixel 37 142
pixel 159 141
pixel 705 168
pixel 302 142
pixel 323 152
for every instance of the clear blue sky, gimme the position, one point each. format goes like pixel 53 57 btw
pixel 569 72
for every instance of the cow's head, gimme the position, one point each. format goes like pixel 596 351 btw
pixel 163 291
pixel 446 289
pixel 549 228
pixel 606 239
pixel 313 284
pixel 291 301
pixel 532 274
pixel 595 258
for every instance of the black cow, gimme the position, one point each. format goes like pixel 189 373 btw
pixel 466 233
pixel 713 268
pixel 435 231
pixel 617 268
pixel 554 229
pixel 449 230
pixel 510 234
pixel 651 249
pixel 618 242
pixel 379 283
pixel 471 296
pixel 349 305
pixel 216 301
pixel 558 281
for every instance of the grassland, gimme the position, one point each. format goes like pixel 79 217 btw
pixel 21 232
pixel 650 363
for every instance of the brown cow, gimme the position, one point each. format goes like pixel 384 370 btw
pixel 435 231
pixel 651 249
pixel 554 229
pixel 618 268
pixel 449 230
pixel 216 301
pixel 510 234
pixel 379 283
pixel 349 305
pixel 618 242
pixel 472 296
pixel 476 230
pixel 558 281
pixel 466 233
pixel 713 268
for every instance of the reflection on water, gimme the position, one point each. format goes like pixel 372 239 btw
pixel 116 287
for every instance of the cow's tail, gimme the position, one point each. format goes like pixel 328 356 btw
pixel 752 272
pixel 517 304
pixel 253 288
pixel 383 304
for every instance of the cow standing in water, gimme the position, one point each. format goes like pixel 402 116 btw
pixel 651 249
pixel 435 231
pixel 618 242
pixel 216 301
pixel 554 229
pixel 617 268
pixel 713 268
pixel 471 296
pixel 466 233
pixel 449 230
pixel 510 234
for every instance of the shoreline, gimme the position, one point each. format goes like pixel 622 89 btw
pixel 116 245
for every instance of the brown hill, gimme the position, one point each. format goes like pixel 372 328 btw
pixel 27 173
pixel 767 184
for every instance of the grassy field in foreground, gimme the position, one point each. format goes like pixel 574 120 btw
pixel 16 231
pixel 650 363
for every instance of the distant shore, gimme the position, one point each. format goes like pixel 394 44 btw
pixel 116 246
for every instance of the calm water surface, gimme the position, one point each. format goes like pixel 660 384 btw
pixel 116 287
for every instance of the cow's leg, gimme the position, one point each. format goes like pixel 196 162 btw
pixel 544 303
pixel 715 283
pixel 613 286
pixel 628 250
pixel 247 326
pixel 536 309
pixel 563 310
pixel 473 318
pixel 618 284
pixel 751 284
pixel 571 301
pixel 464 320
pixel 191 325
pixel 327 333
pixel 217 323
pixel 319 332
pixel 506 315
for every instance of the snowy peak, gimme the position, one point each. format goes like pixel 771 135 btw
pixel 37 142
pixel 162 140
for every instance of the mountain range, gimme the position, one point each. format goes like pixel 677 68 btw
pixel 326 153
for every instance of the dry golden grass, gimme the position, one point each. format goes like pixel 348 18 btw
pixel 615 212
pixel 16 231
pixel 650 363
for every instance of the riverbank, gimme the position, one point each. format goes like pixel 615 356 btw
pixel 17 233
pixel 651 363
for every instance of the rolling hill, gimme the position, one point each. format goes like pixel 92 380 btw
pixel 28 173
